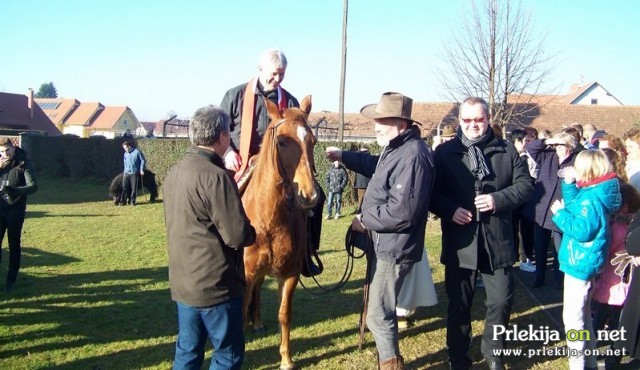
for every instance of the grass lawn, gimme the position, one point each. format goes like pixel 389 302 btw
pixel 93 293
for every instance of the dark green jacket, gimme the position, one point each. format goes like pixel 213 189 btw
pixel 206 231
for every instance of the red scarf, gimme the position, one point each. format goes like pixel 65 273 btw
pixel 598 180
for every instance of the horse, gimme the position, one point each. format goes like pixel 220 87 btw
pixel 277 200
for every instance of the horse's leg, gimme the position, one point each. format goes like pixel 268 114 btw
pixel 256 320
pixel 248 295
pixel 288 287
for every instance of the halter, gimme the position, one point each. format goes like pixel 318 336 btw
pixel 288 189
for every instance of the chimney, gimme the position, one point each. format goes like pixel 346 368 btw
pixel 30 102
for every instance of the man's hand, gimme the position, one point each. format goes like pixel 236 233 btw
pixel 232 161
pixel 4 160
pixel 485 203
pixel 141 173
pixel 333 153
pixel 462 216
pixel 356 224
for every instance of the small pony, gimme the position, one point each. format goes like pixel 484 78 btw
pixel 148 181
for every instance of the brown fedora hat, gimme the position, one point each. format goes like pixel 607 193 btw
pixel 448 131
pixel 391 105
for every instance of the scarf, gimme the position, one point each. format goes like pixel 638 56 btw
pixel 476 158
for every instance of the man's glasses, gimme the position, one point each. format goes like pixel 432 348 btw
pixel 469 120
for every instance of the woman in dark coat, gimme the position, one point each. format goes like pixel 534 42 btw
pixel 630 316
pixel 550 155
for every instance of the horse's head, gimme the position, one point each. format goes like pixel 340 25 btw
pixel 292 140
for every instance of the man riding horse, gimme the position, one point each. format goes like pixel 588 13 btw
pixel 246 105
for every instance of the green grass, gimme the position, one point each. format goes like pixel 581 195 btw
pixel 93 293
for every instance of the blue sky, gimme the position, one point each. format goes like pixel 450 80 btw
pixel 161 56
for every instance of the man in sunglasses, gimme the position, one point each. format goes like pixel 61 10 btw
pixel 480 181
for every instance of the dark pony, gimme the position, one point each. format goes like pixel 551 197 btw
pixel 277 200
pixel 148 181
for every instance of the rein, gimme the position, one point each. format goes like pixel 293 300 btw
pixel 350 247
pixel 288 189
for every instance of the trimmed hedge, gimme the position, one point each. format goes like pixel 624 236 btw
pixel 68 156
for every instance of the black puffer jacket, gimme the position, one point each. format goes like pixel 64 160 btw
pixel 232 105
pixel 510 185
pixel 396 204
pixel 21 175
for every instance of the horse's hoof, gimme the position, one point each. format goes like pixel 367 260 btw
pixel 288 367
pixel 260 330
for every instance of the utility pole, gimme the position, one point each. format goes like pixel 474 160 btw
pixel 343 71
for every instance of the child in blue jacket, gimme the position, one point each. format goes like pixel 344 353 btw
pixel 590 192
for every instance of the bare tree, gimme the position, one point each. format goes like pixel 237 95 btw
pixel 495 55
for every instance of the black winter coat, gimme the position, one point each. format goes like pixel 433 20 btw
pixel 510 185
pixel 21 175
pixel 361 181
pixel 232 105
pixel 547 188
pixel 630 316
pixel 396 203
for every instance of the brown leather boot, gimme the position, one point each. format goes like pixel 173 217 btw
pixel 393 363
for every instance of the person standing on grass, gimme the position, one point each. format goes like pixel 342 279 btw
pixel 590 194
pixel 206 231
pixel 17 180
pixel 336 182
pixel 394 211
pixel 480 181
pixel 133 166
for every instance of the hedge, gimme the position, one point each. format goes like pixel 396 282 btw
pixel 69 156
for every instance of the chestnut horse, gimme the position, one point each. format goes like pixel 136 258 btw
pixel 277 200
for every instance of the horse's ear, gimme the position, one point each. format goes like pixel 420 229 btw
pixel 273 109
pixel 306 105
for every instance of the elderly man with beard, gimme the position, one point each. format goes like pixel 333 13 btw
pixel 394 211
pixel 480 181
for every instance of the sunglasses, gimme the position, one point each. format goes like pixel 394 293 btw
pixel 476 120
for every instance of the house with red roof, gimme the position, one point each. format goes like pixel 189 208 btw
pixel 86 119
pixel 19 113
pixel 589 103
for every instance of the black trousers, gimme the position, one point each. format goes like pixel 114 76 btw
pixel 315 221
pixel 541 239
pixel 460 285
pixel 522 226
pixel 11 221
pixel 129 188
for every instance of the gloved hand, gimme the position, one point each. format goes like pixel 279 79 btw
pixel 624 264
pixel 11 191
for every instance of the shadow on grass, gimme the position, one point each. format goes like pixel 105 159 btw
pixel 67 191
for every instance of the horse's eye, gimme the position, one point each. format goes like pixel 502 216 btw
pixel 282 143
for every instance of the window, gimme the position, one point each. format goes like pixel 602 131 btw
pixel 125 122
pixel 594 101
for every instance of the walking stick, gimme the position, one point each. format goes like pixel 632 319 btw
pixel 362 325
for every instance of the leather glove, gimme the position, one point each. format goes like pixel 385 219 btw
pixel 11 191
pixel 623 263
